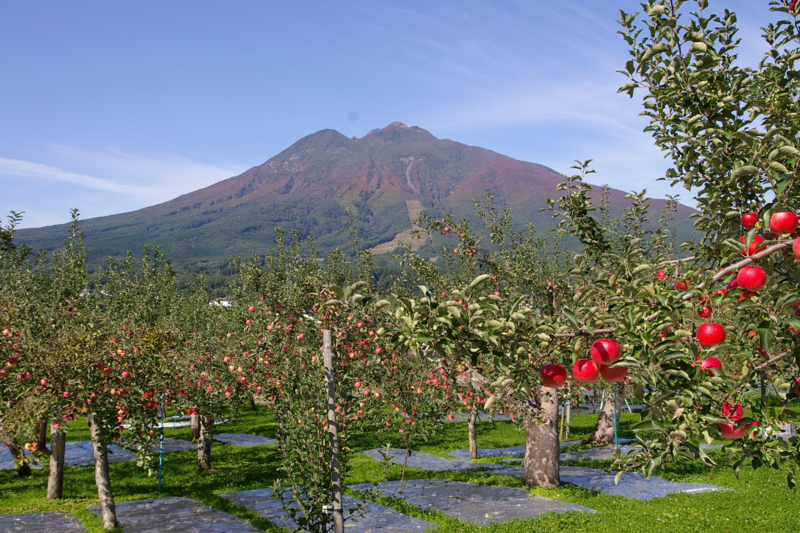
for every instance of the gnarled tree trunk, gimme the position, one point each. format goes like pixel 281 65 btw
pixel 108 509
pixel 41 438
pixel 542 452
pixel 473 433
pixel 603 433
pixel 55 481
pixel 23 468
pixel 204 445
pixel 195 420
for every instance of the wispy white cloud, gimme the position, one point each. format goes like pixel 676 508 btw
pixel 167 174
pixel 100 182
pixel 17 168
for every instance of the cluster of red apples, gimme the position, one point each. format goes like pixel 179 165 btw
pixel 604 352
pixel 753 278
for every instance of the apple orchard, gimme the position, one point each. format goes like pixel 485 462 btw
pixel 505 320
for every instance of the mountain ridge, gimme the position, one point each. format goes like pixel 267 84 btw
pixel 311 184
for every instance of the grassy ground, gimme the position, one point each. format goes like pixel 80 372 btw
pixel 761 501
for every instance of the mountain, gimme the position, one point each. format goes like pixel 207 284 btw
pixel 384 178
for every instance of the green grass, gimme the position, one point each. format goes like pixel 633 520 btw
pixel 762 501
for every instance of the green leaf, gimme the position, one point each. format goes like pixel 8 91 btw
pixel 649 425
pixel 657 49
pixel 480 279
pixel 778 167
pixel 743 172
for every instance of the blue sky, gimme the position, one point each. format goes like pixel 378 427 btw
pixel 113 106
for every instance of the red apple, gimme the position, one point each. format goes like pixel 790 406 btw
pixel 749 220
pixel 553 375
pixel 727 432
pixel 605 351
pixel 682 285
pixel 732 411
pixel 106 371
pixel 782 223
pixel 613 373
pixel 796 248
pixel 752 278
pixel 661 274
pixel 753 247
pixel 126 375
pixel 711 362
pixel 586 370
pixel 705 312
pixel 710 334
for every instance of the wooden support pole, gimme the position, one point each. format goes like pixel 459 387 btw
pixel 333 431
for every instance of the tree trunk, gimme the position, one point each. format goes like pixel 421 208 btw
pixel 603 433
pixel 23 468
pixel 108 509
pixel 473 434
pixel 41 439
pixel 253 405
pixel 55 482
pixel 204 445
pixel 542 450
pixel 195 419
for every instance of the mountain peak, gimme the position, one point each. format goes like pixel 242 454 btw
pixel 383 180
pixel 399 132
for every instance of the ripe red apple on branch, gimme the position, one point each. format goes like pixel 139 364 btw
pixel 753 247
pixel 586 371
pixel 734 413
pixel 752 278
pixel 710 334
pixel 749 220
pixel 711 362
pixel 605 351
pixel 613 374
pixel 783 223
pixel 553 376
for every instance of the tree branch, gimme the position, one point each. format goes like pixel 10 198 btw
pixel 774 360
